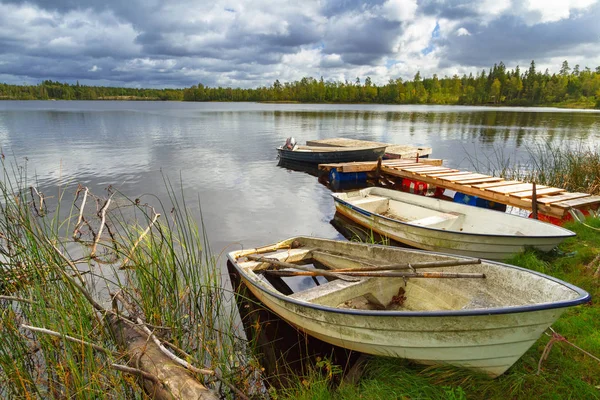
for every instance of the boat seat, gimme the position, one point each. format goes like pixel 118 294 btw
pixel 369 199
pixel 324 289
pixel 373 203
pixel 435 219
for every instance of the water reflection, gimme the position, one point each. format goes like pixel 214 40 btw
pixel 222 157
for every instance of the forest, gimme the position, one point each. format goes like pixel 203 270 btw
pixel 570 87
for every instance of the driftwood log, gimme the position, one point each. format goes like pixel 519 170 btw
pixel 144 354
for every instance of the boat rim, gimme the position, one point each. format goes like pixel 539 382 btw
pixel 341 149
pixel 584 296
pixel 361 210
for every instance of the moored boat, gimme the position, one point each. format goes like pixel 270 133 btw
pixel 482 323
pixel 324 155
pixel 433 224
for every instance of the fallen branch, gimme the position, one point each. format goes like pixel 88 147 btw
pixel 102 223
pixel 69 338
pixel 138 372
pixel 79 220
pixel 176 382
pixel 158 343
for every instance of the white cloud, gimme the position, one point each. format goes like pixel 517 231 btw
pixel 399 10
pixel 555 10
pixel 463 32
pixel 95 68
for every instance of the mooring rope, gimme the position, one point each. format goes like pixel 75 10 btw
pixel 556 337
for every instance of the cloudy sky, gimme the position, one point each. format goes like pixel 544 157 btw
pixel 250 43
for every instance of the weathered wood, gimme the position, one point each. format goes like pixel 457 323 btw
pixel 586 201
pixel 480 180
pixel 562 197
pixel 392 150
pixel 384 274
pixel 476 191
pixel 177 382
pixel 281 264
pixel 462 178
pixel 424 169
pixel 539 192
pixel 335 260
pixel 448 172
pixel 513 188
pixel 534 203
pixel 366 166
pixel 495 184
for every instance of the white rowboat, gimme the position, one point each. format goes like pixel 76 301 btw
pixel 433 224
pixel 482 324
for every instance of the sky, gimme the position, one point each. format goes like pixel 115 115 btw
pixel 248 44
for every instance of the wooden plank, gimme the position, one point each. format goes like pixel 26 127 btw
pixel 460 178
pixel 495 184
pixel 520 187
pixel 449 172
pixel 562 197
pixel 424 169
pixel 548 209
pixel 579 203
pixel 480 180
pixel 539 192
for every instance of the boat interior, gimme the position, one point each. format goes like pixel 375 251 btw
pixel 446 215
pixel 501 287
pixel 411 213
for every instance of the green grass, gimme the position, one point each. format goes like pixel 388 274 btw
pixel 566 374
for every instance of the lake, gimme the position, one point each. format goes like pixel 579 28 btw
pixel 223 154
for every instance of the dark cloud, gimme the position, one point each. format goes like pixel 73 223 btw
pixel 510 39
pixel 252 43
pixel 450 9
pixel 362 41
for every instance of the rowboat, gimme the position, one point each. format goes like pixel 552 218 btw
pixel 433 224
pixel 482 323
pixel 324 155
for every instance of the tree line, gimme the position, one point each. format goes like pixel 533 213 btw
pixel 499 86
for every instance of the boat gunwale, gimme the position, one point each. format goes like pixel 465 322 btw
pixel 499 235
pixel 584 296
pixel 338 149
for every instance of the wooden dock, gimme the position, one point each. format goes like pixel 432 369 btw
pixel 391 151
pixel 554 202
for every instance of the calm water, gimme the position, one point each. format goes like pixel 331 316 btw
pixel 224 154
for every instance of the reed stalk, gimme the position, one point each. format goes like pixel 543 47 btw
pixel 46 270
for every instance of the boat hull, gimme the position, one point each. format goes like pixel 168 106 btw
pixel 485 325
pixel 489 246
pixel 337 156
pixel 486 343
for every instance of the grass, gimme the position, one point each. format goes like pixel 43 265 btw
pixel 566 374
pixel 173 281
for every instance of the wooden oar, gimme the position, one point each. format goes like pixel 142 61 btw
pixel 391 274
pixel 329 259
pixel 281 264
pixel 391 267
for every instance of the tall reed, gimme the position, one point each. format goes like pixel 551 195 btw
pixel 162 266
pixel 573 169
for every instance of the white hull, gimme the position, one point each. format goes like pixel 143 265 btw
pixel 482 324
pixel 490 344
pixel 433 224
